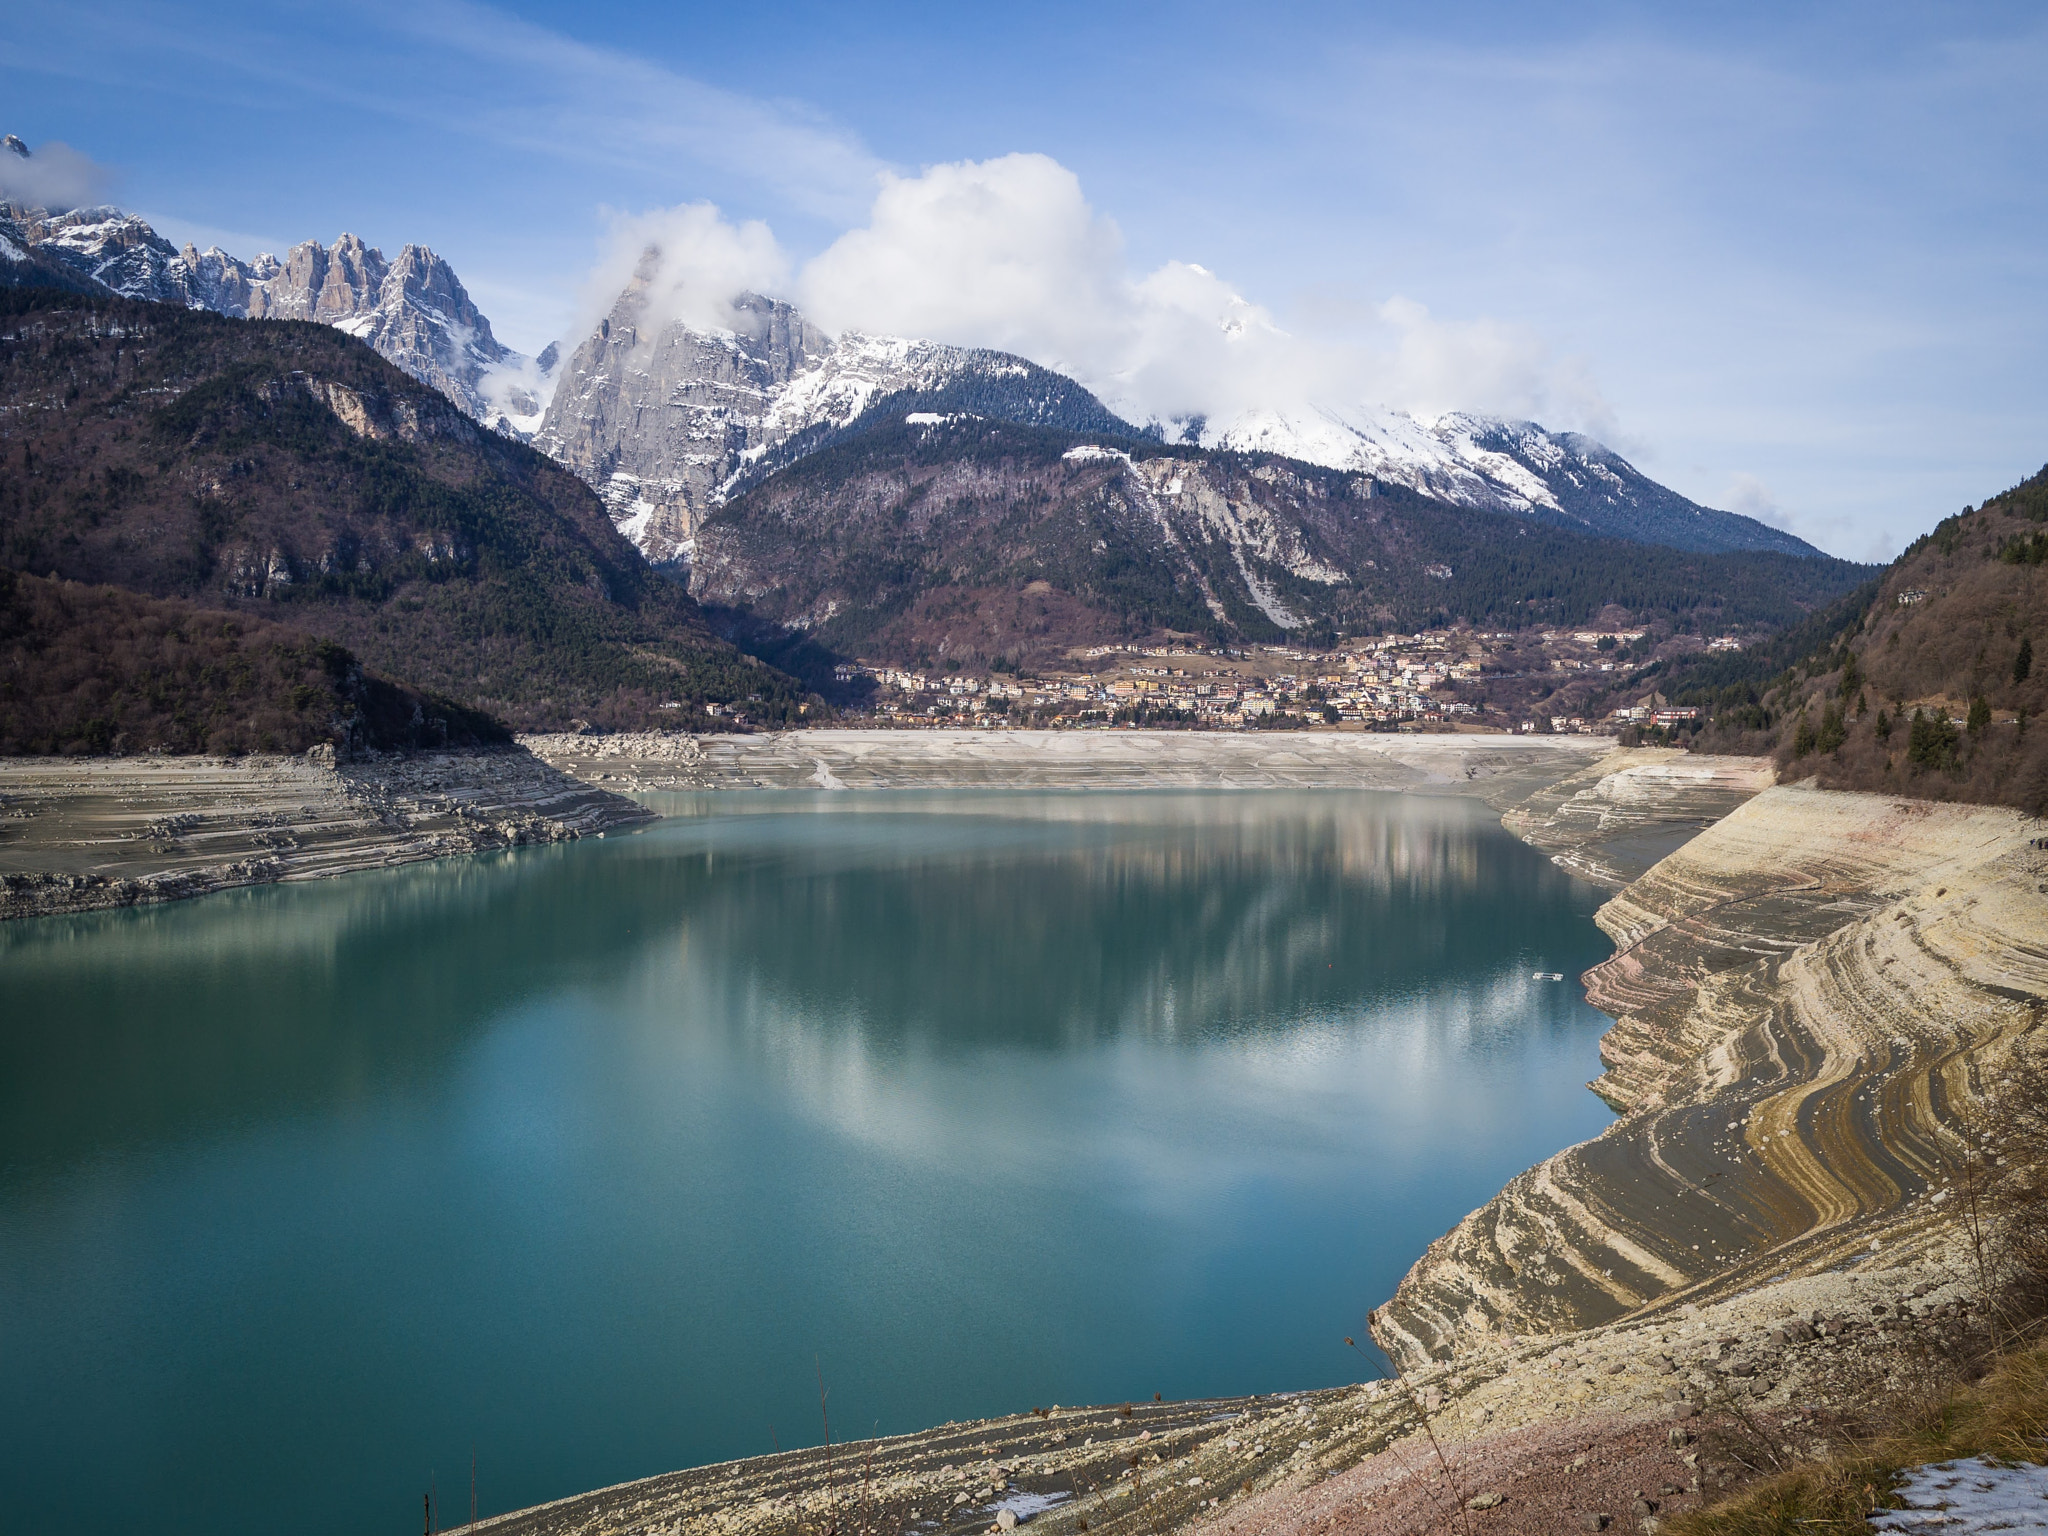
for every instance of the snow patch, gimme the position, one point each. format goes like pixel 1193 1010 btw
pixel 1966 1497
pixel 1025 1505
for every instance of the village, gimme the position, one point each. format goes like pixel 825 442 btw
pixel 1550 682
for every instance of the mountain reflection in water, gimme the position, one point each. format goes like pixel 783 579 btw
pixel 583 1153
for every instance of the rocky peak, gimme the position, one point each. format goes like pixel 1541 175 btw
pixel 13 145
pixel 116 248
pixel 666 420
pixel 414 310
pixel 658 422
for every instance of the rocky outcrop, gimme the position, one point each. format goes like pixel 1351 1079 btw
pixel 1809 998
pixel 659 421
pixel 413 310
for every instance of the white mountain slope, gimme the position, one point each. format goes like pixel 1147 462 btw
pixel 413 310
pixel 1496 465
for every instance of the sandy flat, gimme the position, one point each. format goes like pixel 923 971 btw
pixel 1503 767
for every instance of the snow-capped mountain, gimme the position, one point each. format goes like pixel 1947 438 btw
pixel 1498 466
pixel 413 310
pixel 667 423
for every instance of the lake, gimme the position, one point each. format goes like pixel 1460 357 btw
pixel 590 1160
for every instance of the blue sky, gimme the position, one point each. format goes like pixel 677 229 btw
pixel 1789 259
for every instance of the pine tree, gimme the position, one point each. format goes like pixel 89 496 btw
pixel 1832 731
pixel 1804 738
pixel 1932 742
pixel 2023 664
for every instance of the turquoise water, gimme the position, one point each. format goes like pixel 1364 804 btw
pixel 589 1159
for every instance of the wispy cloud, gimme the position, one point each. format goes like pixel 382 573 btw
pixel 575 98
pixel 467 69
pixel 52 175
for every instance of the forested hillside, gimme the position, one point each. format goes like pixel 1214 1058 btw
pixel 1924 683
pixel 285 470
pixel 97 670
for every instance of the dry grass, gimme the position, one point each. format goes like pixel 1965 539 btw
pixel 2004 1415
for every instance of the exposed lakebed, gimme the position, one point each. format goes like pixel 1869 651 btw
pixel 592 1157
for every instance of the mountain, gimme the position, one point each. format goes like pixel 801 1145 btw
pixel 666 421
pixel 1496 465
pixel 413 310
pixel 918 535
pixel 285 470
pixel 1922 683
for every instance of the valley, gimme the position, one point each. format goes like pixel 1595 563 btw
pixel 1033 822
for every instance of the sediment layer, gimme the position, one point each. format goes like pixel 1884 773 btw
pixel 78 835
pixel 1504 769
pixel 1614 819
pixel 1810 997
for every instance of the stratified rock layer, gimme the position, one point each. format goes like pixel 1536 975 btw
pixel 1611 821
pixel 80 834
pixel 1808 997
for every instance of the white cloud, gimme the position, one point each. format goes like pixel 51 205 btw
pixel 1008 253
pixel 53 176
pixel 1752 498
pixel 1433 366
pixel 690 263
pixel 998 253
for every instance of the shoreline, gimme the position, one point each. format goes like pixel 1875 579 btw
pixel 1807 987
pixel 82 835
pixel 86 834
pixel 937 758
pixel 1806 951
